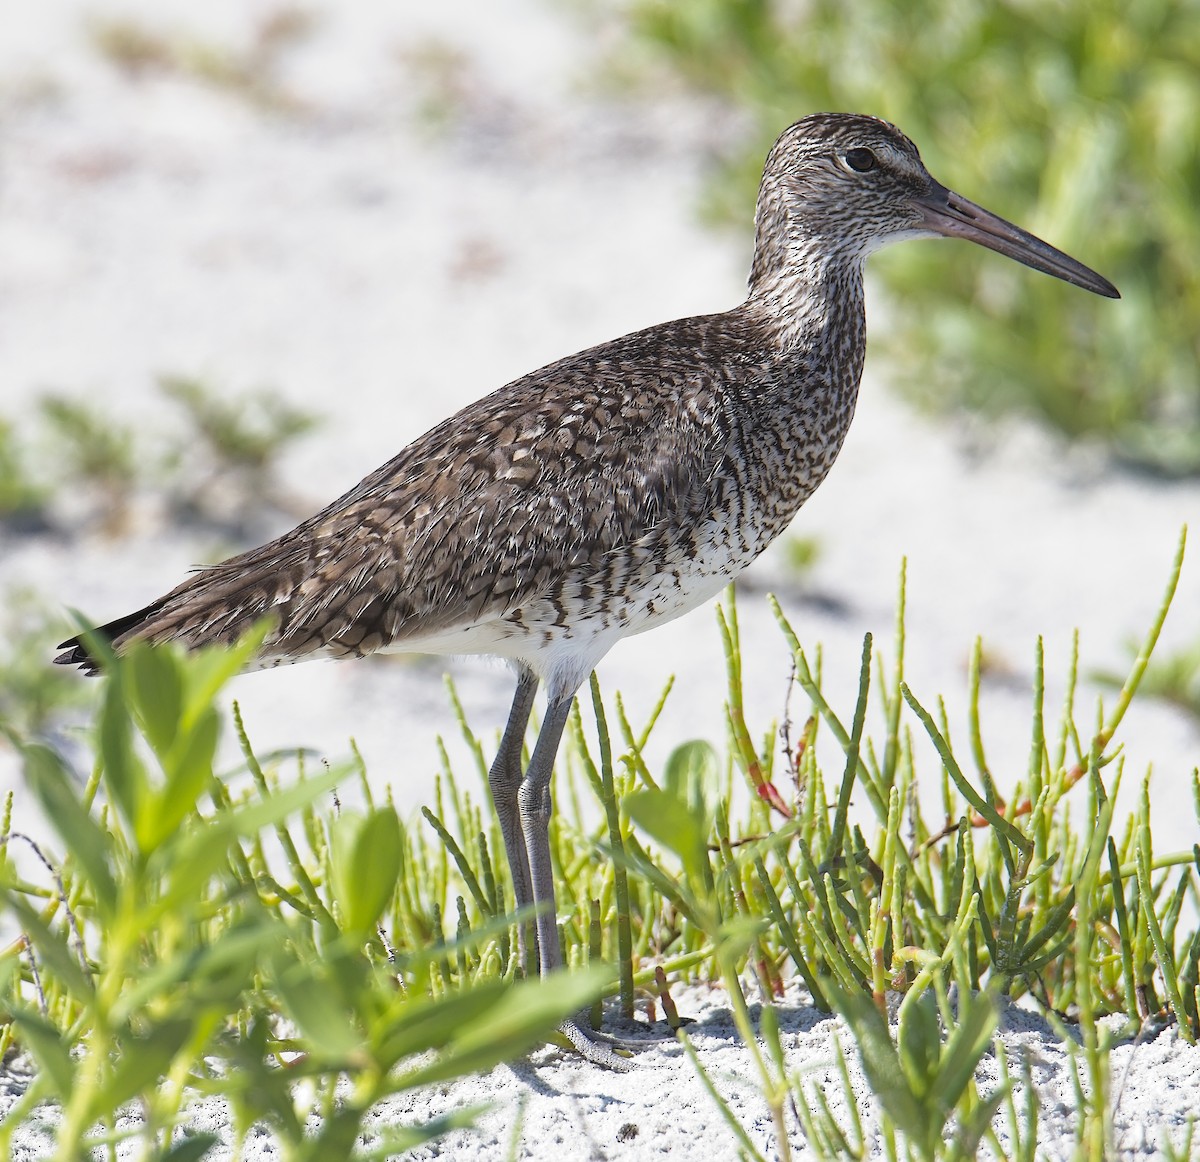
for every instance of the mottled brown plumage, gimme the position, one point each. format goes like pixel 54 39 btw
pixel 611 490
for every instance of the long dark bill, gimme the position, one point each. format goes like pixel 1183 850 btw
pixel 945 212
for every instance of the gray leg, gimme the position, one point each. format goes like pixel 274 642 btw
pixel 535 807
pixel 504 778
pixel 534 804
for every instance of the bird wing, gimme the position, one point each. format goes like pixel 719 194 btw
pixel 558 476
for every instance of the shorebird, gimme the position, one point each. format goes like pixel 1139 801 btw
pixel 608 492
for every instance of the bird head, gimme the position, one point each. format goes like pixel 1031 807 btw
pixel 851 184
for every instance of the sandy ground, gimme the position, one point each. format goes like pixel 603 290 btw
pixel 552 1107
pixel 382 268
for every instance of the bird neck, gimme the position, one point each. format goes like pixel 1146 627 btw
pixel 806 286
pixel 808 302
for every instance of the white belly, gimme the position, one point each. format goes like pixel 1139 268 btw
pixel 562 639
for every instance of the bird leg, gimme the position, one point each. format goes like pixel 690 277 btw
pixel 535 806
pixel 504 779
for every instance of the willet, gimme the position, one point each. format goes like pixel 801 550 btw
pixel 610 491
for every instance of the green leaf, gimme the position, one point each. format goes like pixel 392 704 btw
pixel 141 1065
pixel 47 1048
pixel 967 1043
pixel 668 819
pixel 969 1134
pixel 365 865
pixel 210 668
pixel 51 946
pixel 89 843
pixel 920 1042
pixel 318 1009
pixel 522 1017
pixel 677 814
pixel 189 769
pixel 735 936
pixel 422 1024
pixel 124 774
pixel 216 973
pixel 157 692
pixel 190 1149
pixel 256 1088
pixel 401 1139
pixel 693 775
pixel 188 865
pixel 670 887
pixel 881 1062
pixel 249 819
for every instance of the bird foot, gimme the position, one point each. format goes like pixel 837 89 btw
pixel 598 1048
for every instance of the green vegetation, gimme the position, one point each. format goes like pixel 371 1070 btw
pixel 802 555
pixel 36 698
pixel 193 943
pixel 96 457
pixel 235 446
pixel 1079 121
pixel 22 496
pixel 78 467
pixel 234 936
pixel 251 71
pixel 1006 898
pixel 1174 678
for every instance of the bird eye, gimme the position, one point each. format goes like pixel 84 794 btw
pixel 860 160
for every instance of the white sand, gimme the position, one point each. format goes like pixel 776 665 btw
pixel 383 274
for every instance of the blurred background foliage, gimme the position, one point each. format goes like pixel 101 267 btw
pixel 1080 121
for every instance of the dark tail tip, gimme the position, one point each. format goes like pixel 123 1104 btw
pixel 75 654
pixel 76 651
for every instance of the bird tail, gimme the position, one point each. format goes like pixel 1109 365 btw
pixel 76 651
pixel 216 605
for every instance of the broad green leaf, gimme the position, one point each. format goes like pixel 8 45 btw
pixel 210 668
pixel 51 946
pixel 968 1134
pixel 965 1046
pixel 190 1149
pixel 250 818
pixel 216 973
pixel 524 1016
pixel 366 864
pixel 82 836
pixel 201 852
pixel 47 1048
pixel 735 936
pixel 667 819
pixel 97 645
pixel 401 1139
pixel 633 857
pixel 153 678
pixel 692 775
pixel 881 1063
pixel 677 814
pixel 189 769
pixel 124 775
pixel 421 1024
pixel 185 867
pixel 141 1064
pixel 328 1024
pixel 255 1087
pixel 335 1137
pixel 919 1041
